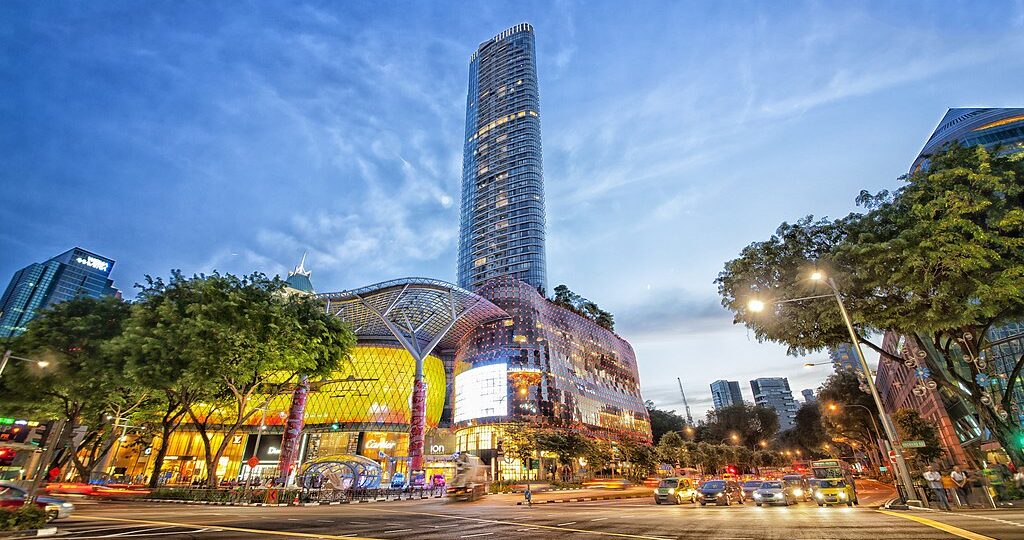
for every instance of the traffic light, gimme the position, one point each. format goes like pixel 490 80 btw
pixel 7 455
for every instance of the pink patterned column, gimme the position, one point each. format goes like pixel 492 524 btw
pixel 418 424
pixel 293 431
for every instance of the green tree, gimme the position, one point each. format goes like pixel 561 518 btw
pixel 849 413
pixel 641 458
pixel 83 385
pixel 939 261
pixel 663 422
pixel 751 423
pixel 583 307
pixel 808 433
pixel 669 448
pixel 567 445
pixel 599 455
pixel 520 442
pixel 912 427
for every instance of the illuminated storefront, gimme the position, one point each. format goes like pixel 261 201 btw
pixel 547 366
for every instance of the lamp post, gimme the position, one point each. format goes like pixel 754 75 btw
pixel 890 429
pixel 8 357
pixel 812 364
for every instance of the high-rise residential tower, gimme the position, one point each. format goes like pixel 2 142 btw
pixel 844 358
pixel 502 229
pixel 774 393
pixel 72 273
pixel 726 393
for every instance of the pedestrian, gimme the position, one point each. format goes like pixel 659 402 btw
pixel 961 485
pixel 1018 479
pixel 529 496
pixel 934 479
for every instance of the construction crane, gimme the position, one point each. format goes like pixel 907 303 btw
pixel 689 418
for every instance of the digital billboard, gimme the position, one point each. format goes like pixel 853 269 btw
pixel 481 392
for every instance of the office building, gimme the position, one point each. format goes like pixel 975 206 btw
pixel 1001 128
pixel 774 393
pixel 844 358
pixel 502 230
pixel 808 395
pixel 726 393
pixel 73 273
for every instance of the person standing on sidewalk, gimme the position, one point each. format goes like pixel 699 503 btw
pixel 934 479
pixel 962 486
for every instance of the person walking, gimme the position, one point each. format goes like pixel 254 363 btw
pixel 1018 479
pixel 962 486
pixel 934 479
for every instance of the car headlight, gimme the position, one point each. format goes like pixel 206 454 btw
pixel 655 491
pixel 720 495
pixel 842 494
pixel 68 505
pixel 757 495
pixel 778 495
pixel 819 495
pixel 671 491
pixel 798 492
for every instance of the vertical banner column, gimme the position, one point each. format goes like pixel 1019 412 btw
pixel 293 431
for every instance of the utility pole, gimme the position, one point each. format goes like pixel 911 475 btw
pixel 689 418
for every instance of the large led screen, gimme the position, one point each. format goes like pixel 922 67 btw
pixel 481 392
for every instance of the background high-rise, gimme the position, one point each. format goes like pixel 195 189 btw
pixel 502 229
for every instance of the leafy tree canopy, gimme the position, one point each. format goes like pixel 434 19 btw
pixel 914 428
pixel 751 423
pixel 583 307
pixel 663 422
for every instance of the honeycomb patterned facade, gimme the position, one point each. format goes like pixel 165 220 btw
pixel 550 367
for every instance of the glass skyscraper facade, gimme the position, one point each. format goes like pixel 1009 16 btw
pixel 726 393
pixel 502 229
pixel 38 285
pixel 774 393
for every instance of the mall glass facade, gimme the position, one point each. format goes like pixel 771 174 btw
pixel 546 366
pixel 502 229
pixel 39 285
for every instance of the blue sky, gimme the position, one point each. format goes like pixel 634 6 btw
pixel 235 136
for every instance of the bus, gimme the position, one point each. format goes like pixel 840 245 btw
pixel 835 485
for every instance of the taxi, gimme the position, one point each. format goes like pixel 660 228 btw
pixel 676 491
pixel 835 491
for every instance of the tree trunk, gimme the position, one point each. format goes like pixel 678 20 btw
pixel 161 453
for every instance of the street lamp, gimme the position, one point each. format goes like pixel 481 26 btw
pixel 812 364
pixel 890 429
pixel 8 357
pixel 878 434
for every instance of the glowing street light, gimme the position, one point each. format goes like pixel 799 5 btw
pixel 8 357
pixel 757 306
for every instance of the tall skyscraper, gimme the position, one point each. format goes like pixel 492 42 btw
pixel 38 285
pixel 502 229
pixel 808 395
pixel 726 393
pixel 774 393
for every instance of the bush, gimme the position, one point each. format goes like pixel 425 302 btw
pixel 24 518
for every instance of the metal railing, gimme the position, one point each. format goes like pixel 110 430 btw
pixel 290 496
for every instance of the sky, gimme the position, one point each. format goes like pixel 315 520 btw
pixel 236 136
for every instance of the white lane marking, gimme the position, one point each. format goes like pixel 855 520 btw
pixel 566 523
pixel 599 519
pixel 396 531
pixel 293 519
pixel 527 529
pixel 443 526
pixel 359 522
pixel 477 534
pixel 326 520
pixel 1014 523
pixel 140 531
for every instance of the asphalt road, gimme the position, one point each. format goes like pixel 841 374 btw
pixel 498 517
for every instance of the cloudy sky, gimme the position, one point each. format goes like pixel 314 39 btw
pixel 235 136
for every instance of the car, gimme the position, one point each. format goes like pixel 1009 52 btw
pixel 675 490
pixel 749 487
pixel 835 491
pixel 14 497
pixel 775 492
pixel 801 487
pixel 723 492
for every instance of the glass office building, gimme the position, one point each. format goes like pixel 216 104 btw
pixel 774 393
pixel 1001 128
pixel 72 273
pixel 725 393
pixel 502 229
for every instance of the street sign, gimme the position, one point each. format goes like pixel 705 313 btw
pixel 892 456
pixel 883 468
pixel 913 444
pixel 253 462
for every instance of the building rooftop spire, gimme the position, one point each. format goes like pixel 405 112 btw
pixel 300 270
pixel 298 278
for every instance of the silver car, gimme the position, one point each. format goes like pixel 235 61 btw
pixel 774 492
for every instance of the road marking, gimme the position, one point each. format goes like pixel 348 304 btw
pixel 359 522
pixel 955 531
pixel 548 527
pixel 1014 523
pixel 566 523
pixel 326 520
pixel 526 529
pixel 221 527
pixel 477 534
pixel 599 519
pixel 396 531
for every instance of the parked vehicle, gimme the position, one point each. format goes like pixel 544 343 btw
pixel 775 492
pixel 14 497
pixel 675 490
pixel 722 492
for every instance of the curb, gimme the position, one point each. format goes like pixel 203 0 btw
pixel 32 533
pixel 583 499
pixel 332 503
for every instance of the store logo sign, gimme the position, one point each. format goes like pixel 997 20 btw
pixel 381 444
pixel 93 262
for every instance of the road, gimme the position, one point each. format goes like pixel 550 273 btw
pixel 499 517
